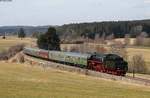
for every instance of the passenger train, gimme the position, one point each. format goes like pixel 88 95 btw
pixel 106 63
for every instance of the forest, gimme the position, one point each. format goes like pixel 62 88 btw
pixel 118 28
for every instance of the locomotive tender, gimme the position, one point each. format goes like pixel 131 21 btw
pixel 107 63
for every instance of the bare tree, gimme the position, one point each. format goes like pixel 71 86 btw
pixel 110 37
pixel 140 39
pixel 74 49
pixel 138 64
pixel 97 38
pixel 127 39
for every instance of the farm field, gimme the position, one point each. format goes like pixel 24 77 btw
pixel 18 81
pixel 136 51
pixel 12 41
pixel 145 53
pixel 23 81
pixel 139 47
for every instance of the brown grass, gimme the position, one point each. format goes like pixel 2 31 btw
pixel 12 41
pixel 18 81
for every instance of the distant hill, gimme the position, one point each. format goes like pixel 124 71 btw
pixel 12 30
pixel 103 29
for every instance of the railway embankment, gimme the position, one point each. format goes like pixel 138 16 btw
pixel 43 63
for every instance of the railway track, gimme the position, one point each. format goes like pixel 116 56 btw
pixel 139 79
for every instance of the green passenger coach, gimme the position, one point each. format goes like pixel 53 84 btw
pixel 72 58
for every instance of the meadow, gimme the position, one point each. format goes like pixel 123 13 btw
pixel 12 41
pixel 23 81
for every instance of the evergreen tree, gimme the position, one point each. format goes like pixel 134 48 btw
pixel 49 40
pixel 21 33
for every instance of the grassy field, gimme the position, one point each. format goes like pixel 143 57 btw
pixel 145 53
pixel 139 47
pixel 18 81
pixel 12 41
pixel 136 51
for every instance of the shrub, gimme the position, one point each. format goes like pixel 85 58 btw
pixel 74 49
pixel 8 53
pixel 21 59
pixel 3 37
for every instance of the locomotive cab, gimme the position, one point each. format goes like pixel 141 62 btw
pixel 95 62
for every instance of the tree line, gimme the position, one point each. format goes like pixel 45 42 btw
pixel 118 28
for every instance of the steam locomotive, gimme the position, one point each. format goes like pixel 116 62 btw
pixel 106 63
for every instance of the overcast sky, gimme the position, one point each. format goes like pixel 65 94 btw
pixel 58 12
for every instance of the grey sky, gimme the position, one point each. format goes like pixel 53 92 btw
pixel 58 12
